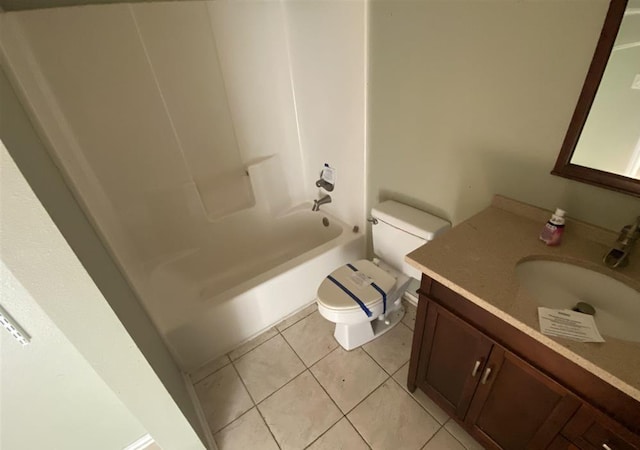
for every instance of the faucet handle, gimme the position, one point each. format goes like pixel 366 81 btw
pixel 324 184
pixel 630 233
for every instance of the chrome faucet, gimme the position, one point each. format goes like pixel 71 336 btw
pixel 321 201
pixel 324 184
pixel 618 256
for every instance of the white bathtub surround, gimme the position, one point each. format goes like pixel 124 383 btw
pixel 328 47
pixel 216 313
pixel 191 154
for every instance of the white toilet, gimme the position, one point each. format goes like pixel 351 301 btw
pixel 363 298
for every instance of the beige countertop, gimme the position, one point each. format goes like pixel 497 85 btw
pixel 477 259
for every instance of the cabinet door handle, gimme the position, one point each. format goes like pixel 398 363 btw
pixel 485 375
pixel 474 372
pixel 606 447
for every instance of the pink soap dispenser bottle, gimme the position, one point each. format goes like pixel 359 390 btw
pixel 552 232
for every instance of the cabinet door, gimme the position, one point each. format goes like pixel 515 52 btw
pixel 560 443
pixel 517 407
pixel 592 430
pixel 452 358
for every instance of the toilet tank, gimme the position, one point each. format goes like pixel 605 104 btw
pixel 400 230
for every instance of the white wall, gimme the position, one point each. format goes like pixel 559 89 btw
pixel 83 366
pixel 53 262
pixel 50 397
pixel 472 98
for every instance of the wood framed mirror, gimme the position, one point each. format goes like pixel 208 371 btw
pixel 602 144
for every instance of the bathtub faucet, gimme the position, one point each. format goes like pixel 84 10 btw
pixel 321 201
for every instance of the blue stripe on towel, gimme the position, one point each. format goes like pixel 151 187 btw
pixel 352 295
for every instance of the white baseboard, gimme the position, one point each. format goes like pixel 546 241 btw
pixel 208 436
pixel 140 444
pixel 410 295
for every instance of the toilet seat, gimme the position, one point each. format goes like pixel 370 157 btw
pixel 347 290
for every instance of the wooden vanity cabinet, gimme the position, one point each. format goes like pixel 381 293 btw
pixel 453 361
pixel 508 390
pixel 591 430
pixel 503 401
pixel 516 406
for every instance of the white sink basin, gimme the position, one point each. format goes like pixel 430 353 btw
pixel 560 285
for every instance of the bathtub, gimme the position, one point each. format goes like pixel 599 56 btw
pixel 207 301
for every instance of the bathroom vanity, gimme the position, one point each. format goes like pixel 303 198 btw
pixel 477 351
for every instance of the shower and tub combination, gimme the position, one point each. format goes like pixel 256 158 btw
pixel 195 157
pixel 208 304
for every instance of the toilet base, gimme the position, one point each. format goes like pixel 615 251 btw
pixel 354 335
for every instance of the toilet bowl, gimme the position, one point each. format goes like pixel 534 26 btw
pixel 363 298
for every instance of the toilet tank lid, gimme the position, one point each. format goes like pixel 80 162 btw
pixel 409 219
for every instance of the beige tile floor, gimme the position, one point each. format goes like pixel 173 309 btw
pixel 294 387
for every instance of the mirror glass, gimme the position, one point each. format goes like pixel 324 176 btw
pixel 610 139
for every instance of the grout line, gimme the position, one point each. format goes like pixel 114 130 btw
pixel 211 373
pixel 254 348
pixel 314 377
pixel 326 356
pixel 374 360
pixel 316 439
pixel 342 415
pixel 268 427
pixel 325 431
pixel 235 420
pixel 328 395
pixel 415 399
pixel 228 354
pixel 402 322
pixel 373 390
pixel 241 416
pixel 371 393
pixel 243 384
pixel 404 388
pixel 297 321
pixel 390 375
pixel 255 405
pixel 201 415
pixel 281 387
pixel 431 438
pixel 308 368
pixel 296 353
pixel 453 435
pixel 358 431
pixel 213 433
pixel 367 396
